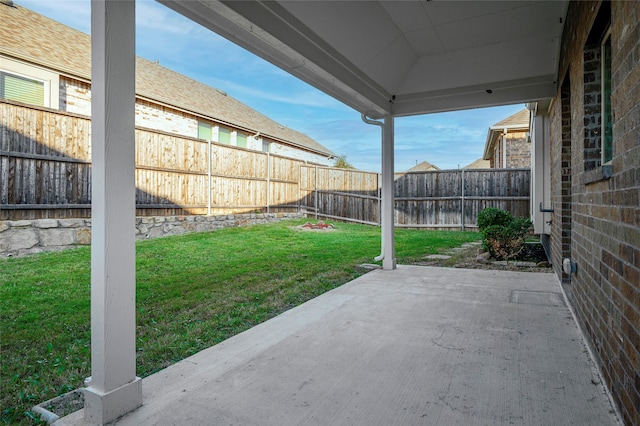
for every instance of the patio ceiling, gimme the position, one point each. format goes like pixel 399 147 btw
pixel 400 57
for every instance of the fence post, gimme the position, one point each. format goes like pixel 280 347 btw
pixel 299 185
pixel 315 192
pixel 268 182
pixel 462 201
pixel 209 168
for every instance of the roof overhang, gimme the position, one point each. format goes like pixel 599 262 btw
pixel 400 57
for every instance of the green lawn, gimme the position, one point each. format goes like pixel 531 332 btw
pixel 193 291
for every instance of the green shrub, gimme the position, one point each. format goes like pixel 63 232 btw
pixel 493 216
pixel 503 235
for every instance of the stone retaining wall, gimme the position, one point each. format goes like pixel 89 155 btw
pixel 24 237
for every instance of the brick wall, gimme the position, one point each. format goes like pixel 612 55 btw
pixel 518 152
pixel 157 117
pixel 561 179
pixel 592 106
pixel 596 219
pixel 75 96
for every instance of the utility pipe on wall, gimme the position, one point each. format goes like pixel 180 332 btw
pixel 504 148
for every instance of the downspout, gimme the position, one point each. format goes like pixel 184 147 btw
pixel 504 148
pixel 377 123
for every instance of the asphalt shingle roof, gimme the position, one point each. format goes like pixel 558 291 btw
pixel 34 38
pixel 520 118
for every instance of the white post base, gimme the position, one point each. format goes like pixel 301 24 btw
pixel 104 407
pixel 389 263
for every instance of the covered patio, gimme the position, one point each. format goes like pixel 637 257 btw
pixel 414 345
pixel 407 345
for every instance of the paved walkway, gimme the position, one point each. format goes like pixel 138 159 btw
pixel 414 346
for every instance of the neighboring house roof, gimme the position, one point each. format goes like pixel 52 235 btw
pixel 518 122
pixel 31 37
pixel 425 166
pixel 479 164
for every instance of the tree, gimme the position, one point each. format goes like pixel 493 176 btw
pixel 341 162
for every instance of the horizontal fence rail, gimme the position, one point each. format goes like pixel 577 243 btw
pixel 45 171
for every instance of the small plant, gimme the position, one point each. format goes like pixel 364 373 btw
pixel 503 235
pixel 492 216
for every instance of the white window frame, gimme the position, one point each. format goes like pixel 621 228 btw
pixel 50 79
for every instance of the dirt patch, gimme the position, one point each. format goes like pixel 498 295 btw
pixel 60 406
pixel 318 226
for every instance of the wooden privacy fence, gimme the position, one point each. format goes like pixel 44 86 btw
pixel 453 198
pixel 449 199
pixel 45 171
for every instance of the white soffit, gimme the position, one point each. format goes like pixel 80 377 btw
pixel 400 57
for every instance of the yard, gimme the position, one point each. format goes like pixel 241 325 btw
pixel 193 291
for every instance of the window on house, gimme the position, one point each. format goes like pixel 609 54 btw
pixel 266 146
pixel 598 137
pixel 241 140
pixel 224 135
pixel 607 128
pixel 22 89
pixel 204 131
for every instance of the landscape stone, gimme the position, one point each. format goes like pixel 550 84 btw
pixel 72 223
pixel 45 223
pixel 18 239
pixel 57 237
pixel 438 256
pixel 21 223
pixel 83 236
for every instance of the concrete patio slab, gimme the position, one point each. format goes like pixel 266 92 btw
pixel 413 346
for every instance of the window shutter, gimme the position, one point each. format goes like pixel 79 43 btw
pixel 21 89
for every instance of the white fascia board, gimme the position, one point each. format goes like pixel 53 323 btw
pixel 476 96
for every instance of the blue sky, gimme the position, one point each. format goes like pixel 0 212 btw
pixel 448 140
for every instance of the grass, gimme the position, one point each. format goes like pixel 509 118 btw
pixel 193 291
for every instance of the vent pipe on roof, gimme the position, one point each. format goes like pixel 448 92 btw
pixel 7 2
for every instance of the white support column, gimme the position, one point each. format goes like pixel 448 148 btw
pixel 113 388
pixel 388 185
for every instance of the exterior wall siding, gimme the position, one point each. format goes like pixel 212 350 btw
pixel 289 151
pixel 75 96
pixel 596 219
pixel 518 151
pixel 153 116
